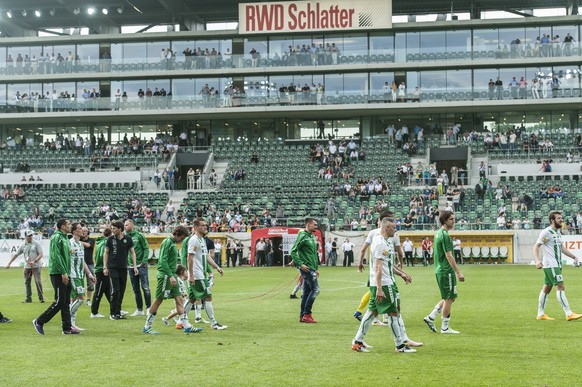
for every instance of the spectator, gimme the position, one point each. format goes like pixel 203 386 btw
pixel 537 221
pixel 501 222
pixel 526 202
pixel 348 249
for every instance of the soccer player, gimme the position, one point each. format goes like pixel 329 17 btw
pixel 184 260
pixel 399 257
pixel 117 248
pixel 182 274
pixel 78 268
pixel 142 250
pixel 384 292
pixel 198 261
pixel 167 285
pixel 102 282
pixel 32 252
pixel 296 288
pixel 89 246
pixel 4 319
pixel 550 240
pixel 445 269
pixel 59 270
pixel 304 254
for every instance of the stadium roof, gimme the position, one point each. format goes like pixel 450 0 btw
pixel 73 13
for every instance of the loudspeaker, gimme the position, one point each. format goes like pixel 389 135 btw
pixel 116 169
pixel 72 169
pixel 137 168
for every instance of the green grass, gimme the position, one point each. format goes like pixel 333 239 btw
pixel 500 343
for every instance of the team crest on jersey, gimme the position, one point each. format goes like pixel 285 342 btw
pixel 195 248
pixel 385 252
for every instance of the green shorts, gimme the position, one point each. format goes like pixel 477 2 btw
pixel 447 285
pixel 389 304
pixel 165 290
pixel 553 276
pixel 199 291
pixel 77 288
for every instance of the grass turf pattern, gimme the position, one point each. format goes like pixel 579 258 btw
pixel 501 343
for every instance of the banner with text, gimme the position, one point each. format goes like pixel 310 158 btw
pixel 307 16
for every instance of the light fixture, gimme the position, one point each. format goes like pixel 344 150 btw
pixel 24 12
pixel 37 13
pixel 9 14
pixel 76 11
pixel 120 10
pixel 105 11
pixel 90 10
pixel 52 12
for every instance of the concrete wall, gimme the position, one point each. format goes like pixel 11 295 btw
pixel 534 169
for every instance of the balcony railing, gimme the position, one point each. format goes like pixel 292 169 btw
pixel 254 99
pixel 225 61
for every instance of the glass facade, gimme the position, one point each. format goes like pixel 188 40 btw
pixel 433 67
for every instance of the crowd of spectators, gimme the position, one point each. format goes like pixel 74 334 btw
pixel 337 161
pixel 410 141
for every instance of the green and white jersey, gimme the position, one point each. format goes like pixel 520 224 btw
pixel 382 251
pixel 197 247
pixel 551 242
pixel 77 259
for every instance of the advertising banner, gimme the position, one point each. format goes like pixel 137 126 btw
pixel 308 16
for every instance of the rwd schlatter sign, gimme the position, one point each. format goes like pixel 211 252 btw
pixel 306 16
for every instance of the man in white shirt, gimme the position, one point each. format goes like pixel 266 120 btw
pixel 385 297
pixel 408 245
pixel 501 222
pixel 457 251
pixel 332 148
pixel 328 255
pixel 260 257
pixel 170 208
pixel 347 248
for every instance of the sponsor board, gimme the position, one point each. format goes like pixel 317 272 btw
pixel 306 16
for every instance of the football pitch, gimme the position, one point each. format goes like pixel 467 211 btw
pixel 501 343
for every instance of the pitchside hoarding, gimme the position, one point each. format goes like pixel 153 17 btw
pixel 308 16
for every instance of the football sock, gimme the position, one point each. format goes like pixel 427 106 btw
pixel 198 311
pixel 364 326
pixel 543 299
pixel 364 302
pixel 395 329
pixel 437 309
pixel 385 318
pixel 402 328
pixel 295 290
pixel 445 323
pixel 74 307
pixel 561 295
pixel 187 308
pixel 184 319
pixel 210 312
pixel 150 320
